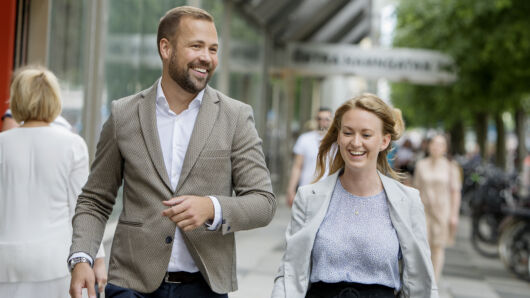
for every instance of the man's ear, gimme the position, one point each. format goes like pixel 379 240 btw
pixel 165 48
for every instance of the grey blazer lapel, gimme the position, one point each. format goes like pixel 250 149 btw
pixel 317 208
pixel 397 202
pixel 147 113
pixel 201 132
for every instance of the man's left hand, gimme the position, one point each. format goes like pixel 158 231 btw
pixel 189 212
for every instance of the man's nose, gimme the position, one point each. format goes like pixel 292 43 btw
pixel 205 56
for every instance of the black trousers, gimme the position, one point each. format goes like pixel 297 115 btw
pixel 196 289
pixel 348 290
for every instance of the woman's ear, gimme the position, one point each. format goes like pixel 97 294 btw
pixel 386 141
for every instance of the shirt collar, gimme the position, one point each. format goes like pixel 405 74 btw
pixel 161 101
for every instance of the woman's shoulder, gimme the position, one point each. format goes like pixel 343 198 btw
pixel 322 184
pixel 406 190
pixel 64 138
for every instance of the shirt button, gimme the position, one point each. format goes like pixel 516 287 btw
pixel 169 239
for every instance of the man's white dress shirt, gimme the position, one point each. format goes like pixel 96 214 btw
pixel 174 132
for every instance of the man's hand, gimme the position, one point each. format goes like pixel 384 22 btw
pixel 189 212
pixel 100 271
pixel 82 277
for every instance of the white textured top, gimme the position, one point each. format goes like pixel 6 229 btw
pixel 42 170
pixel 356 242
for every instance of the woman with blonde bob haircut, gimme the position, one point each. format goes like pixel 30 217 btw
pixel 42 170
pixel 357 232
pixel 35 95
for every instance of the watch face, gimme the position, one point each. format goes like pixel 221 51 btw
pixel 76 260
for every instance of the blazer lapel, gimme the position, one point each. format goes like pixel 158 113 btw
pixel 323 189
pixel 396 201
pixel 201 132
pixel 147 113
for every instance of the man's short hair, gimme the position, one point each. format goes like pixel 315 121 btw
pixel 168 25
pixel 35 95
pixel 324 109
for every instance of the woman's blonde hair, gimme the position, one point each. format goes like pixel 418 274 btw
pixel 392 125
pixel 35 95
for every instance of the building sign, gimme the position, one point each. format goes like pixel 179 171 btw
pixel 397 64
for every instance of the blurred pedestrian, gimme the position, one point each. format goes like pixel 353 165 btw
pixel 358 232
pixel 439 181
pixel 42 170
pixel 404 161
pixel 193 173
pixel 305 154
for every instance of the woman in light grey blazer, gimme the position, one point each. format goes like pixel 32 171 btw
pixel 357 233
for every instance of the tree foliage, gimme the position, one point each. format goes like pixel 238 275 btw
pixel 490 43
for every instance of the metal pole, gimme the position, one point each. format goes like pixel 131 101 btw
pixel 94 73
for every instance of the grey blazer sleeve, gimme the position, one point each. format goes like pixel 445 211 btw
pixel 295 224
pixel 95 203
pixel 254 204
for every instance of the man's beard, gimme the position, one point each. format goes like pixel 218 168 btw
pixel 183 77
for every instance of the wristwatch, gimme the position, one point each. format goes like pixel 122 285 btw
pixel 74 261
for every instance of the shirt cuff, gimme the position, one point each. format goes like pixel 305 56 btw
pixel 81 254
pixel 212 226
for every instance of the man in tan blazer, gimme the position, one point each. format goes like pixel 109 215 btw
pixel 182 150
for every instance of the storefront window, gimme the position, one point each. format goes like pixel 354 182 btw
pixel 65 55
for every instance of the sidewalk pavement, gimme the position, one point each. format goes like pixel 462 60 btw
pixel 466 274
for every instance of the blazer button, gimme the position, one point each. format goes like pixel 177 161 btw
pixel 169 239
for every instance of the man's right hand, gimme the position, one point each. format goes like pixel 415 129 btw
pixel 82 277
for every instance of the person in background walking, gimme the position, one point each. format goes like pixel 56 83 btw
pixel 357 232
pixel 305 154
pixel 439 182
pixel 42 170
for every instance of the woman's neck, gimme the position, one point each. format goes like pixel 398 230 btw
pixel 35 123
pixel 361 184
pixel 436 159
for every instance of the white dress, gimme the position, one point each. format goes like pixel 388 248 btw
pixel 42 170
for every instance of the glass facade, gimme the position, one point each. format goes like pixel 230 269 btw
pixel 66 50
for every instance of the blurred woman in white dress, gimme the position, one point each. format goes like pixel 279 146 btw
pixel 42 170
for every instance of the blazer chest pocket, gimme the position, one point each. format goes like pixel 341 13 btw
pixel 215 154
pixel 130 223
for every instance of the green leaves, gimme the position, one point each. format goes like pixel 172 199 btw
pixel 490 42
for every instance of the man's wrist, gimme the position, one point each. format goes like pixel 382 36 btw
pixel 217 218
pixel 72 262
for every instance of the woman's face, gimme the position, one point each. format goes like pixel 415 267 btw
pixel 361 139
pixel 437 146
